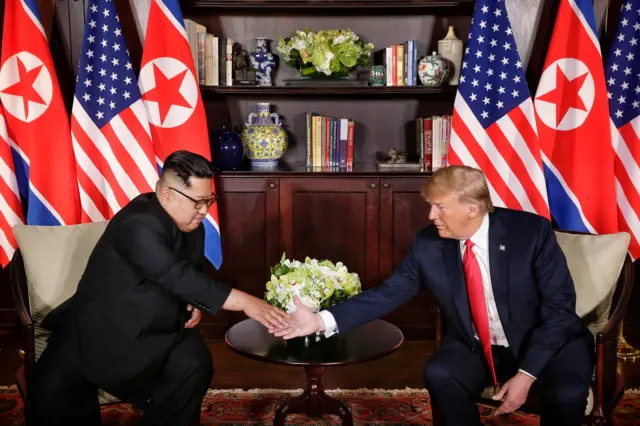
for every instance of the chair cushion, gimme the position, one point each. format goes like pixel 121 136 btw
pixel 54 260
pixel 595 262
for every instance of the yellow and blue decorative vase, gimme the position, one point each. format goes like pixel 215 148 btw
pixel 265 141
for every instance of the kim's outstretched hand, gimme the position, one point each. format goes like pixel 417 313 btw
pixel 268 315
pixel 302 323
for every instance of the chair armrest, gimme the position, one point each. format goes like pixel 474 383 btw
pixel 16 291
pixel 625 282
pixel 611 326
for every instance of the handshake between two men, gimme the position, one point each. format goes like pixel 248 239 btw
pixel 126 330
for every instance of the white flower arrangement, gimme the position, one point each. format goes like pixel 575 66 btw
pixel 318 283
pixel 326 52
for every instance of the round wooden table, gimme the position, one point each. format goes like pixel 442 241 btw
pixel 367 342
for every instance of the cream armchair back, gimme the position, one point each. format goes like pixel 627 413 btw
pixel 52 260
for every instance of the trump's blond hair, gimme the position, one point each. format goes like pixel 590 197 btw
pixel 468 183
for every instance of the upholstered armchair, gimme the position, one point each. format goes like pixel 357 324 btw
pixel 45 272
pixel 602 271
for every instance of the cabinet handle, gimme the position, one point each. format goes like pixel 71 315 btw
pixel 373 185
pixel 272 185
pixel 386 185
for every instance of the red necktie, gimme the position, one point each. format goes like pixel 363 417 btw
pixel 478 304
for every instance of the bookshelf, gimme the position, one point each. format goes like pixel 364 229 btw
pixel 450 6
pixel 331 91
pixel 383 115
pixel 364 217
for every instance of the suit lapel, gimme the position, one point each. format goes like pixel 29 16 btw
pixel 498 264
pixel 457 283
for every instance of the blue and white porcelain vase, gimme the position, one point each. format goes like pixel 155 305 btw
pixel 265 140
pixel 263 61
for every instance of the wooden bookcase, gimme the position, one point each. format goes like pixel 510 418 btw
pixel 383 115
pixel 364 218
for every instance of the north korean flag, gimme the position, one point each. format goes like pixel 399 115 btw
pixel 36 119
pixel 574 126
pixel 171 95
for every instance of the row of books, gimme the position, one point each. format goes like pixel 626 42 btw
pixel 433 134
pixel 400 62
pixel 212 55
pixel 329 141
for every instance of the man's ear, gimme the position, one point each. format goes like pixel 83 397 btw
pixel 474 210
pixel 164 195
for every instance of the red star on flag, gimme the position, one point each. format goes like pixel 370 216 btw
pixel 167 92
pixel 24 87
pixel 565 95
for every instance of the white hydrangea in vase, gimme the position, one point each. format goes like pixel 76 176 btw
pixel 325 53
pixel 318 283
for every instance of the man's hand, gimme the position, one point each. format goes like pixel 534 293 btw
pixel 268 315
pixel 196 316
pixel 302 323
pixel 513 393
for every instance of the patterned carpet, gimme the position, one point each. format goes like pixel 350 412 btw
pixel 256 407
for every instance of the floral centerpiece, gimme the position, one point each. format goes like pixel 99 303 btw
pixel 325 53
pixel 318 283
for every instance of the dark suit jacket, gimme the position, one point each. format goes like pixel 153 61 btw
pixel 534 292
pixel 130 305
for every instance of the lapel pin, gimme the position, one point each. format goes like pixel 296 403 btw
pixel 501 247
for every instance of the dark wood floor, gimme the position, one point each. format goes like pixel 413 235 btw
pixel 399 370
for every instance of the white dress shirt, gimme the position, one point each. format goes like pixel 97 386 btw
pixel 481 250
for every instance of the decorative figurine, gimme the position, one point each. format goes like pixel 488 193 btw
pixel 396 157
pixel 242 69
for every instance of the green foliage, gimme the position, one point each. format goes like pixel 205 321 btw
pixel 326 52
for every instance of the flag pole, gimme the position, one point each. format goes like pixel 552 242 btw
pixel 625 350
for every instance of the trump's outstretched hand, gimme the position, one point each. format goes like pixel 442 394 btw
pixel 302 323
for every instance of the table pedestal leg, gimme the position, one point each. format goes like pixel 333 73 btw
pixel 313 401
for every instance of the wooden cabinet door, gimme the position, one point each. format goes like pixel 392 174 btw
pixel 332 218
pixel 402 213
pixel 248 210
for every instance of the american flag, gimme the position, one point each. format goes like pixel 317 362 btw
pixel 10 207
pixel 494 124
pixel 623 84
pixel 109 123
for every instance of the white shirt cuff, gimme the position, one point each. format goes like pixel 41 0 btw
pixel 330 325
pixel 530 375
